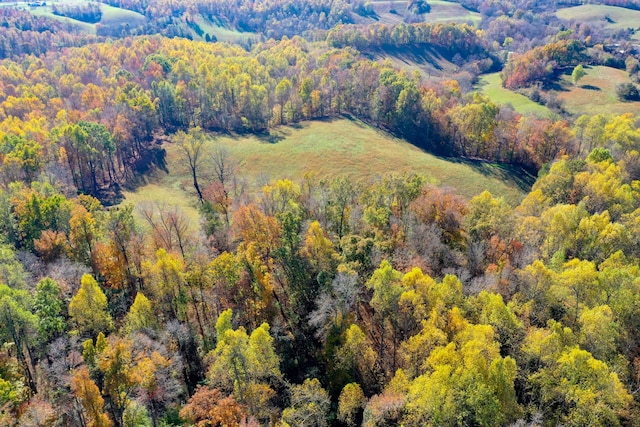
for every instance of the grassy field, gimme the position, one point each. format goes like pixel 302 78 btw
pixel 328 148
pixel 117 16
pixel 611 17
pixel 491 86
pixel 111 16
pixel 427 61
pixel 222 34
pixel 596 92
pixel 441 11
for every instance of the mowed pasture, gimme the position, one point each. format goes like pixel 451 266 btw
pixel 222 34
pixel 610 17
pixel 491 86
pixel 394 12
pixel 111 16
pixel 596 92
pixel 323 149
pixel 429 62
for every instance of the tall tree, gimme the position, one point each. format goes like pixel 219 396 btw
pixel 48 308
pixel 88 308
pixel 191 143
pixel 88 394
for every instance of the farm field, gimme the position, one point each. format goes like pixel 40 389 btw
pixel 222 34
pixel 327 148
pixel 427 61
pixel 393 12
pixel 596 93
pixel 491 86
pixel 611 17
pixel 111 16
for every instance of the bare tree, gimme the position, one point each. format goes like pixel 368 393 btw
pixel 224 168
pixel 333 306
pixel 170 226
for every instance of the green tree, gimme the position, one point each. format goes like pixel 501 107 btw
pixel 245 365
pixel 386 283
pixel 578 390
pixel 467 383
pixel 577 74
pixel 18 329
pixel 48 308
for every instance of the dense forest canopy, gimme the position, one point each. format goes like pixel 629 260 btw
pixel 325 300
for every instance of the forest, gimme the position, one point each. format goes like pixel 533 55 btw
pixel 323 301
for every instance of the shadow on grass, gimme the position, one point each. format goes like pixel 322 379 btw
pixel 419 55
pixel 269 137
pixel 518 176
pixel 591 87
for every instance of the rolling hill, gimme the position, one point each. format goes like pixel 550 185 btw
pixel 327 149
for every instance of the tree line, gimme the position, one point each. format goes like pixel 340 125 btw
pixel 100 108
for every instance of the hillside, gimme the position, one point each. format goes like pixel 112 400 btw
pixel 596 92
pixel 428 61
pixel 329 149
pixel 112 17
pixel 491 86
pixel 395 12
pixel 319 221
pixel 610 18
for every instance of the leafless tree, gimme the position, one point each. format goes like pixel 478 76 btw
pixel 169 224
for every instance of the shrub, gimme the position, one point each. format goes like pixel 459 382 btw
pixel 627 92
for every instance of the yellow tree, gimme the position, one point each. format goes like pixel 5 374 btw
pixel 88 308
pixel 578 390
pixel 467 381
pixel 246 365
pixel 88 394
pixel 141 315
pixel 117 366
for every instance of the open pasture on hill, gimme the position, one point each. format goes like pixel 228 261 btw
pixel 596 92
pixel 394 12
pixel 611 17
pixel 117 16
pixel 326 149
pixel 221 33
pixel 111 16
pixel 491 86
pixel 430 63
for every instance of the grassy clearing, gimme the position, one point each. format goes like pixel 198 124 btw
pixel 327 149
pixel 47 11
pixel 117 16
pixel 596 92
pixel 611 17
pixel 444 11
pixel 427 61
pixel 491 86
pixel 111 16
pixel 441 11
pixel 222 34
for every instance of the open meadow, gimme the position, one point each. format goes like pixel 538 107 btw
pixel 394 12
pixel 111 16
pixel 491 86
pixel 326 149
pixel 610 17
pixel 596 92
